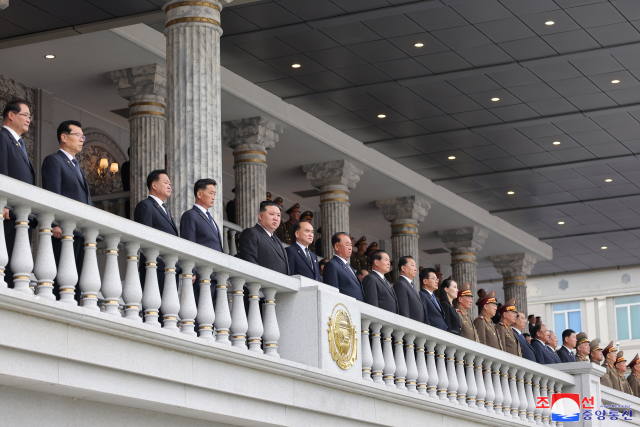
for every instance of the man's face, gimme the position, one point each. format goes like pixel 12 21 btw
pixel 597 356
pixel 509 317
pixel 294 216
pixel 409 269
pixel 362 248
pixel 207 197
pixel 571 341
pixel 465 302
pixel 553 340
pixel 636 369
pixel 270 218
pixel 304 235
pixel 611 357
pixel 19 122
pixel 430 282
pixel 489 310
pixel 383 265
pixel 482 293
pixel 583 348
pixel 162 187
pixel 543 334
pixel 73 141
pixel 343 248
pixel 621 367
pixel 521 321
pixel 532 320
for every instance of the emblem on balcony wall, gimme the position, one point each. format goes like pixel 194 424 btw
pixel 343 341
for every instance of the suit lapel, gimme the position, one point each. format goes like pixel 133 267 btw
pixel 204 217
pixel 78 174
pixel 279 250
pixel 166 216
pixel 304 257
pixel 22 153
pixel 413 287
pixel 387 285
pixel 347 268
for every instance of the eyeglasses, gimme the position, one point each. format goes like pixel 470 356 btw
pixel 28 116
pixel 79 135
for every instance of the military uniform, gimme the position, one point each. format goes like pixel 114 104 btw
pixel 485 327
pixel 613 379
pixel 509 341
pixel 359 261
pixel 288 235
pixel 581 338
pixel 624 384
pixel 634 379
pixel 468 329
pixel 280 230
pixel 371 249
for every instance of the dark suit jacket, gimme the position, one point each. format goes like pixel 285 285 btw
pixel 335 273
pixel 527 349
pixel 435 316
pixel 299 263
pixel 59 176
pixel 409 300
pixel 452 318
pixel 554 355
pixel 257 247
pixel 13 162
pixel 150 213
pixel 565 356
pixel 196 227
pixel 542 354
pixel 379 293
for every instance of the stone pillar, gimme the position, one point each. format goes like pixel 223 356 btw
pixel 250 140
pixel 404 213
pixel 145 88
pixel 334 180
pixel 514 269
pixel 193 133
pixel 464 243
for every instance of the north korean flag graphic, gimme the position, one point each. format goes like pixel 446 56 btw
pixel 565 407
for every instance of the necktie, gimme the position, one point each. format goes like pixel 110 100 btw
pixel 308 254
pixel 166 210
pixel 212 222
pixel 24 149
pixel 77 169
pixel 273 237
pixel 435 301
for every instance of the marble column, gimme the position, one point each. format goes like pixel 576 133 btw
pixel 404 213
pixel 145 88
pixel 193 129
pixel 334 180
pixel 514 269
pixel 250 140
pixel 464 243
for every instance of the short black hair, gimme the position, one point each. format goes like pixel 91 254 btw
pixel 264 204
pixel 336 238
pixel 424 274
pixel 566 334
pixel 202 184
pixel 376 256
pixel 360 272
pixel 13 107
pixel 154 176
pixel 323 262
pixel 64 127
pixel 403 261
pixel 298 225
pixel 531 316
pixel 538 317
pixel 535 330
pixel 526 334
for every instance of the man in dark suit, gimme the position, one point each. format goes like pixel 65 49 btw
pixel 154 212
pixel 539 343
pixel 377 289
pixel 552 344
pixel 338 273
pixel 409 299
pixel 14 163
pixel 62 174
pixel 527 350
pixel 569 342
pixel 301 260
pixel 259 245
pixel 432 308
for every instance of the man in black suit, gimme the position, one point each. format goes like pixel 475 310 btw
pixel 527 350
pixel 552 344
pixel 432 308
pixel 540 336
pixel 14 163
pixel 301 260
pixel 338 273
pixel 569 342
pixel 259 245
pixel 377 289
pixel 197 224
pixel 62 174
pixel 409 300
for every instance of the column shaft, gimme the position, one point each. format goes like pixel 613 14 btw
pixel 334 214
pixel 514 269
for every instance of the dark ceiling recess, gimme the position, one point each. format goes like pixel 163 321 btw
pixel 305 194
pixel 122 112
pixel 436 251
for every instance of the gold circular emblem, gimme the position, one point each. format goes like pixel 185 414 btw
pixel 343 341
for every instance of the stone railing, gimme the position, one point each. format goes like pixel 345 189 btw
pixel 229 235
pixel 114 202
pixel 230 322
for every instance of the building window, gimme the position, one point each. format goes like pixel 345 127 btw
pixel 628 317
pixel 566 315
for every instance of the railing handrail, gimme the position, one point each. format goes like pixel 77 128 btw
pixel 232 226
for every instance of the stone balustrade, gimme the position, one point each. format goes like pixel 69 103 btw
pixel 230 234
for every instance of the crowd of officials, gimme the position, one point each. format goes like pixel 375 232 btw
pixel 362 275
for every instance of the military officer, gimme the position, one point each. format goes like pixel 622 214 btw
pixel 358 260
pixel 268 196
pixel 621 368
pixel 582 348
pixel 371 249
pixel 484 326
pixel 610 358
pixel 280 230
pixel 294 216
pixel 597 357
pixel 465 301
pixel 306 216
pixel 508 314
pixel 634 377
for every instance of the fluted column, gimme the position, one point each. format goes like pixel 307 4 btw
pixel 132 289
pixel 193 131
pixel 464 244
pixel 250 140
pixel 145 89
pixel 514 269
pixel 334 180
pixel 377 366
pixel 21 259
pixel 404 213
pixel 45 267
pixel 4 254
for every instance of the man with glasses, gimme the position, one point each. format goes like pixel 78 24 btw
pixel 14 163
pixel 432 308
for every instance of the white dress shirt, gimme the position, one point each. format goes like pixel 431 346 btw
pixel 269 233
pixel 379 274
pixel 13 133
pixel 160 202
pixel 69 156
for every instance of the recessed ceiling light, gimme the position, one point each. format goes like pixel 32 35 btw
pixel 49 56
pixel 549 23
pixel 560 222
pixel 296 66
pixel 604 247
pixel 495 99
pixel 451 157
pixel 418 44
pixel 382 116
pixel 556 142
pixel 615 81
pixel 510 192
pixel 608 180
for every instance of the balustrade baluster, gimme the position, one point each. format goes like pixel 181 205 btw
pixel 488 386
pixel 151 298
pixel 460 377
pixel 170 301
pixel 432 369
pixel 223 315
pixel 529 406
pixel 132 290
pixel 497 388
pixel 410 359
pixel 441 367
pixel 4 254
pixel 532 408
pixel 45 266
pixel 367 356
pixel 481 394
pixel 239 323
pixel 225 240
pixel 558 389
pixel 256 329
pixel 67 276
pixel 270 321
pixel 421 364
pixel 550 391
pixel 452 377
pixel 387 351
pixel 90 275
pixel 401 365
pixel 33 282
pixel 233 249
pixel 515 397
pixel 111 289
pixel 472 388
pixel 377 366
pixel 188 310
pixel 206 316
pixel 506 391
pixel 544 416
pixel 21 259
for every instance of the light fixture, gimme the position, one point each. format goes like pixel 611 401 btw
pixel 114 167
pixel 510 192
pixel 604 247
pixel 495 99
pixel 382 116
pixel 560 222
pixel 549 23
pixel 616 81
pixel 296 66
pixel 49 56
pixel 608 180
pixel 451 157
pixel 104 170
pixel 418 45
pixel 556 142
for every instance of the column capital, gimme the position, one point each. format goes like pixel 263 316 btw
pixel 254 131
pixel 471 238
pixel 411 207
pixel 337 172
pixel 514 264
pixel 148 79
